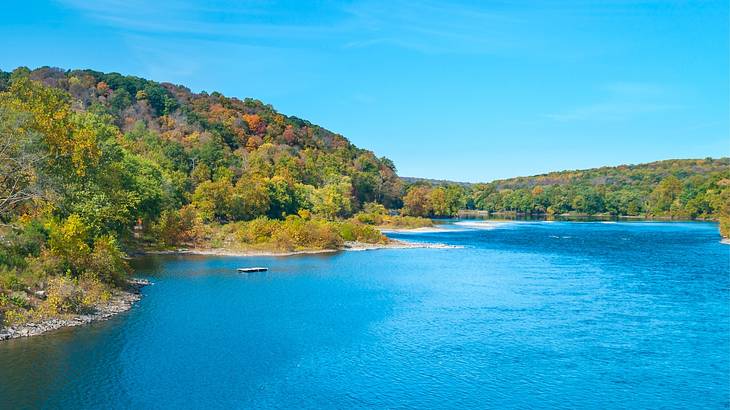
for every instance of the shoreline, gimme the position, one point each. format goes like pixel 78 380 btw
pixel 121 301
pixel 510 216
pixel 426 229
pixel 350 246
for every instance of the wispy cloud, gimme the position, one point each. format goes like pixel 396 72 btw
pixel 429 26
pixel 620 101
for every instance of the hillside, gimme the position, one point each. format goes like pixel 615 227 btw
pixel 201 134
pixel 623 175
pixel 683 189
pixel 94 165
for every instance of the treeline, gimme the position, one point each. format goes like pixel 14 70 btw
pixel 95 164
pixel 680 189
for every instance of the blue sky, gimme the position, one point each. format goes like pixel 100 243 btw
pixel 468 91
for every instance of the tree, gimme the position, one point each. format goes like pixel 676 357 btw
pixel 333 200
pixel 437 202
pixel 250 198
pixel 666 192
pixel 212 199
pixel 69 136
pixel 22 154
pixel 417 202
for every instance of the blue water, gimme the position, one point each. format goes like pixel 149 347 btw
pixel 524 315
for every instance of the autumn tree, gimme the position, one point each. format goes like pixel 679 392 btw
pixel 417 201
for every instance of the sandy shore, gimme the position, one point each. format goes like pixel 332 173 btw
pixel 396 244
pixel 229 252
pixel 348 246
pixel 428 229
pixel 726 241
pixel 121 301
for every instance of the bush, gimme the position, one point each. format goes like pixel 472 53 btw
pixel 174 227
pixel 378 218
pixel 69 240
pixel 95 291
pixel 107 263
pixel 9 280
pixel 408 222
pixel 293 233
pixel 369 218
pixel 63 296
pixel 350 231
pixel 14 316
pixel 20 299
pixel 258 231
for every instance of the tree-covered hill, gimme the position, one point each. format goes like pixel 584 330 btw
pixel 682 189
pixel 201 134
pixel 94 164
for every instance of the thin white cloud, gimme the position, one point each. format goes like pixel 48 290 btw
pixel 621 101
pixel 426 27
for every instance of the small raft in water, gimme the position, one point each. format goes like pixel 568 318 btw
pixel 254 269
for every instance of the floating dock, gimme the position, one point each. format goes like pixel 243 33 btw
pixel 254 269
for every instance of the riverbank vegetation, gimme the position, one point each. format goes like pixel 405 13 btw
pixel 376 215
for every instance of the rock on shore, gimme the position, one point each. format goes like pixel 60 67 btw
pixel 121 301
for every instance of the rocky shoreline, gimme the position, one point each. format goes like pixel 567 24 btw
pixel 121 301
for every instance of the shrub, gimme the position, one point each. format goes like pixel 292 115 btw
pixel 290 234
pixel 20 299
pixel 725 226
pixel 350 231
pixel 95 291
pixel 69 240
pixel 9 279
pixel 107 263
pixel 257 231
pixel 63 296
pixel 174 227
pixel 369 218
pixel 14 316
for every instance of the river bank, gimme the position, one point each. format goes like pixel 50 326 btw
pixel 121 301
pixel 434 229
pixel 348 246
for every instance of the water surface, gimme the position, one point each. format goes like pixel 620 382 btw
pixel 524 315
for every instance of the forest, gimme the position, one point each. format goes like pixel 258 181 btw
pixel 97 166
pixel 674 189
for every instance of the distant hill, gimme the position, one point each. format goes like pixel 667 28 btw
pixel 622 175
pixel 434 182
pixel 679 188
